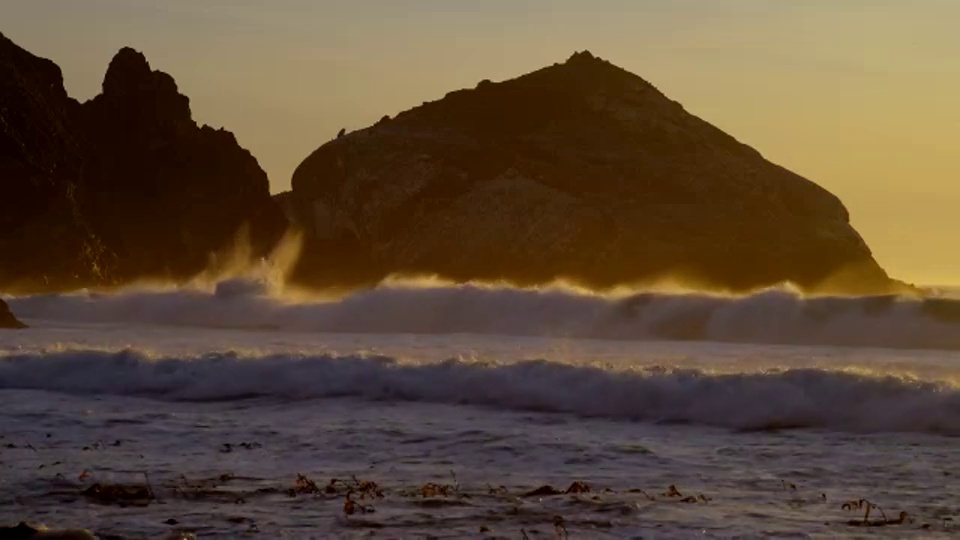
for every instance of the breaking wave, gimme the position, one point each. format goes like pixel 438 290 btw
pixel 769 317
pixel 792 398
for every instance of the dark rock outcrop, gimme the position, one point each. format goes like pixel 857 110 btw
pixel 7 318
pixel 44 236
pixel 124 186
pixel 27 531
pixel 580 171
pixel 168 193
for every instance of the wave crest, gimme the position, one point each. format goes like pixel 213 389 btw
pixel 794 398
pixel 774 316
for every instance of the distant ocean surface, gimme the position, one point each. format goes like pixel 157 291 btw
pixel 771 415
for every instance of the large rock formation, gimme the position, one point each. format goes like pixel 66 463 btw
pixel 124 186
pixel 580 171
pixel 165 193
pixel 44 236
pixel 7 319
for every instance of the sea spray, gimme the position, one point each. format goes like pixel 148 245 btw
pixel 776 316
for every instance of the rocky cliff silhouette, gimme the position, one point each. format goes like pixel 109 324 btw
pixel 124 186
pixel 581 171
pixel 43 233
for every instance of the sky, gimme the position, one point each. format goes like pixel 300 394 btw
pixel 860 96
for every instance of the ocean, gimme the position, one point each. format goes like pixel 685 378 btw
pixel 443 411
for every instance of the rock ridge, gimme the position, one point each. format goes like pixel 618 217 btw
pixel 123 187
pixel 580 171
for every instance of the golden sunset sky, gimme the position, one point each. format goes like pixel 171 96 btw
pixel 861 96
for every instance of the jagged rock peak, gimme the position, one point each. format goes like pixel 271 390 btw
pixel 596 72
pixel 120 187
pixel 582 56
pixel 129 79
pixel 45 73
pixel 128 65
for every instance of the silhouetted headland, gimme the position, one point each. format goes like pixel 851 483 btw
pixel 124 186
pixel 581 171
pixel 578 171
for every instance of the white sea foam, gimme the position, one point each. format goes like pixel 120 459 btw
pixel 774 316
pixel 816 398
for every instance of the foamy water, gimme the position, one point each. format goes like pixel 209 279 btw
pixel 777 316
pixel 490 387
